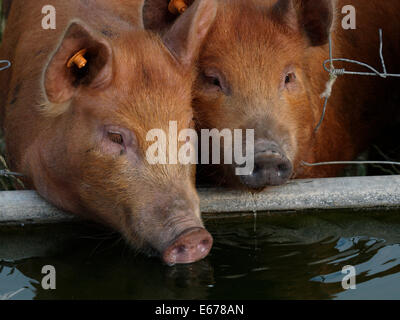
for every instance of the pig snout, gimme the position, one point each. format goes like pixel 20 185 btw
pixel 190 246
pixel 271 166
pixel 171 229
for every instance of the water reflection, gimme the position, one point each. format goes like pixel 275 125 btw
pixel 285 257
pixel 14 284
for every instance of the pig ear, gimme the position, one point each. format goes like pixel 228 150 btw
pixel 186 35
pixel 313 18
pixel 63 77
pixel 156 16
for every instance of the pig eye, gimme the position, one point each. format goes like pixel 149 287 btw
pixel 117 140
pixel 290 77
pixel 215 81
pixel 116 137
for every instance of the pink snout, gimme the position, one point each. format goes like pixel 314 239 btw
pixel 192 245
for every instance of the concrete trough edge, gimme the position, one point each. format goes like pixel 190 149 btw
pixel 27 207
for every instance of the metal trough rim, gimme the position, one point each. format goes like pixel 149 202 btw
pixel 27 207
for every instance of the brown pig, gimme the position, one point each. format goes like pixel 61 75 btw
pixel 261 68
pixel 79 134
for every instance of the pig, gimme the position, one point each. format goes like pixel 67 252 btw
pixel 78 135
pixel 261 68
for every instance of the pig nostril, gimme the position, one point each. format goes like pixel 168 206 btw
pixel 269 170
pixel 204 245
pixel 180 249
pixel 189 247
pixel 282 167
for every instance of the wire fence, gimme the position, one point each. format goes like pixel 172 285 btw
pixel 6 64
pixel 333 75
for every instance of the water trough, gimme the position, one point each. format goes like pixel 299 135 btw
pixel 383 192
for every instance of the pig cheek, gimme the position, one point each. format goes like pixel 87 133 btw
pixel 298 123
pixel 208 109
pixel 103 187
pixel 290 143
pixel 290 148
pixel 140 229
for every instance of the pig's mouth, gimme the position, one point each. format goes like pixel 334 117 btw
pixel 190 246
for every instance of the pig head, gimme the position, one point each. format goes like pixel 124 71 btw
pixel 261 68
pixel 253 76
pixel 84 147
